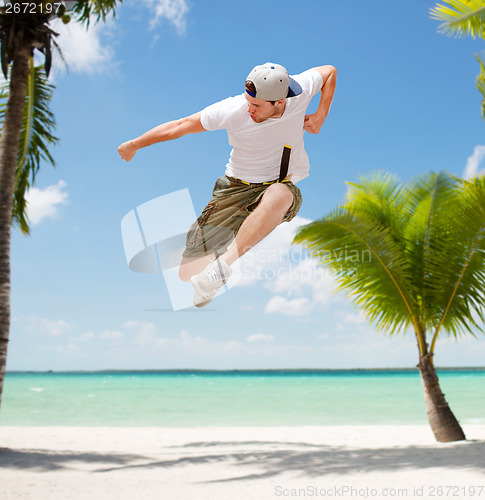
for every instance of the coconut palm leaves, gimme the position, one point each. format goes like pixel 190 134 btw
pixel 464 17
pixel 480 82
pixel 98 9
pixel 461 17
pixel 21 27
pixel 452 245
pixel 27 123
pixel 360 248
pixel 16 29
pixel 411 255
pixel 417 252
pixel 36 138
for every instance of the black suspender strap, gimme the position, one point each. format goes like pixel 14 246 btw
pixel 285 160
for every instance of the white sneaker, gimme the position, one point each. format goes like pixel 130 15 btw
pixel 208 282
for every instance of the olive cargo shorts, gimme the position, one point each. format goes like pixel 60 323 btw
pixel 232 201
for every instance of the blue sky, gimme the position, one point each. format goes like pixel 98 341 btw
pixel 405 102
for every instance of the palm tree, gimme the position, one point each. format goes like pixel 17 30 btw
pixel 421 266
pixel 464 17
pixel 36 136
pixel 25 139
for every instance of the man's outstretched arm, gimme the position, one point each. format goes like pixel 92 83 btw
pixel 313 123
pixel 164 132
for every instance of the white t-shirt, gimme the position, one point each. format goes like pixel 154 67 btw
pixel 257 147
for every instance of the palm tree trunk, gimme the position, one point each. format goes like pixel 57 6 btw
pixel 9 144
pixel 443 423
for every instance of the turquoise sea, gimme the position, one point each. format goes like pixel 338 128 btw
pixel 235 398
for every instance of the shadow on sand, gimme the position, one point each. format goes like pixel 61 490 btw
pixel 273 458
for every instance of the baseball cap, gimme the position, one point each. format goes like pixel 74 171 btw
pixel 272 83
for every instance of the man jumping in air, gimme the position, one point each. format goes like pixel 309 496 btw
pixel 265 127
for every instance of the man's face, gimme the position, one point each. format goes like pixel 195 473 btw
pixel 261 110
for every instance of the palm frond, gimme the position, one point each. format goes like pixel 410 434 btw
pixel 420 252
pixel 98 9
pixel 427 229
pixel 457 269
pixel 461 17
pixel 35 140
pixel 382 197
pixel 368 264
pixel 25 30
pixel 480 82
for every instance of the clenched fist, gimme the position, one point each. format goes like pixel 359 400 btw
pixel 127 150
pixel 313 123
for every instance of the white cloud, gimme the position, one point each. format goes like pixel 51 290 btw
pixel 174 11
pixel 260 337
pixel 289 307
pixel 474 161
pixel 45 326
pixel 357 318
pixel 43 203
pixel 86 49
pixel 141 326
pixel 82 48
pixel 303 279
pixel 111 335
pixel 197 344
pixel 145 333
pixel 266 260
pixel 232 347
pixel 186 343
pixel 84 337
pixel 62 349
pixel 260 345
pixel 299 284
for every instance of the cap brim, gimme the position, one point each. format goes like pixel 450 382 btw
pixel 294 88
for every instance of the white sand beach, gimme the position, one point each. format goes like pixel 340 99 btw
pixel 232 463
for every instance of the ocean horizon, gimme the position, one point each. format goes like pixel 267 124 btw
pixel 249 370
pixel 210 397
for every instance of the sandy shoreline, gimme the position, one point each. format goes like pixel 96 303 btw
pixel 50 463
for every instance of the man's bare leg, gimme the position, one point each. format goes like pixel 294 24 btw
pixel 194 265
pixel 269 213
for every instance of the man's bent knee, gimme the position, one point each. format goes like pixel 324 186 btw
pixel 279 196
